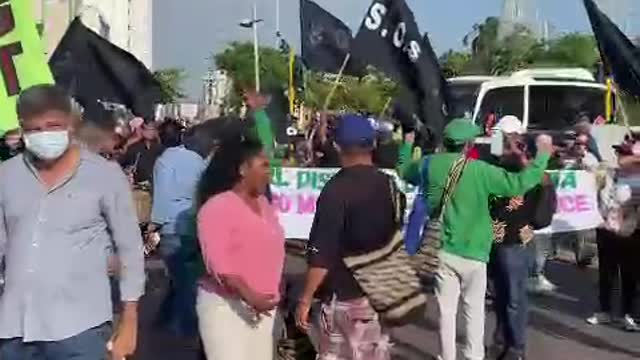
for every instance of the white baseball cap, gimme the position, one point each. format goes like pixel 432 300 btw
pixel 510 124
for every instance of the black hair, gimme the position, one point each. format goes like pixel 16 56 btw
pixel 170 132
pixel 40 99
pixel 200 139
pixel 223 172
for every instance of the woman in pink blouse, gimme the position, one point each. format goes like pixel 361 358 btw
pixel 242 245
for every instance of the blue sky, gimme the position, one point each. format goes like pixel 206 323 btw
pixel 186 32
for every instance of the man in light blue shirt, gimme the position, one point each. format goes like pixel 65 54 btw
pixel 60 207
pixel 175 177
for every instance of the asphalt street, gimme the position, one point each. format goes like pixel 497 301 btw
pixel 557 329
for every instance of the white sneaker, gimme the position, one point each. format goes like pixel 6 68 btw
pixel 630 324
pixel 541 284
pixel 600 318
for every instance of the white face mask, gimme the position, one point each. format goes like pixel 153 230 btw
pixel 47 145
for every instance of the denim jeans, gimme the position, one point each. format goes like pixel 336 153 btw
pixel 539 250
pixel 178 310
pixel 88 345
pixel 510 274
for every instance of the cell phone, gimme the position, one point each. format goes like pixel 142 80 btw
pixel 497 142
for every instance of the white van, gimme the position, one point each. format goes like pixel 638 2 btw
pixel 544 99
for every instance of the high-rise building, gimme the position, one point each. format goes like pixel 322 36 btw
pixel 516 14
pixel 126 23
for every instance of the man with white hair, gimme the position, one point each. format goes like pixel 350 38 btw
pixel 514 221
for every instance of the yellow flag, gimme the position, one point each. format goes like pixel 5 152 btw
pixel 22 59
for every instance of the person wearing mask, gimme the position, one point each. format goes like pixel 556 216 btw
pixel 176 174
pixel 343 226
pixel 238 226
pixel 12 144
pixel 514 222
pixel 467 234
pixel 60 206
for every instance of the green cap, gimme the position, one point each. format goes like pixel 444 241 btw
pixel 461 130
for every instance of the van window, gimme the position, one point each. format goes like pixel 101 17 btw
pixel 560 107
pixel 462 98
pixel 501 102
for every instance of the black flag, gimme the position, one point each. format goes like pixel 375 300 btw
pixel 620 56
pixel 389 40
pixel 93 71
pixel 326 40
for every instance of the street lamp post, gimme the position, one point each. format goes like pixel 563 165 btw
pixel 253 23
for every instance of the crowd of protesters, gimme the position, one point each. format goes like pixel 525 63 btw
pixel 108 192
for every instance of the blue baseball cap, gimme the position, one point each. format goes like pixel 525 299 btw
pixel 355 130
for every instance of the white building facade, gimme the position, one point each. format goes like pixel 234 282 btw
pixel 126 23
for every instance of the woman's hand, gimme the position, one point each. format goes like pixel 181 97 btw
pixel 262 303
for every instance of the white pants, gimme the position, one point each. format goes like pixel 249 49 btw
pixel 227 332
pixel 460 279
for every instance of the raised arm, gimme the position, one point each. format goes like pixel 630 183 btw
pixel 408 169
pixel 499 182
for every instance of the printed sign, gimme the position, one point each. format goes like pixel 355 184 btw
pixel 296 190
pixel 577 193
pixel 22 59
pixel 295 193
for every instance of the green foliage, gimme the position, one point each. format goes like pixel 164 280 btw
pixel 454 63
pixel 575 50
pixel 238 60
pixel 369 93
pixel 170 81
pixel 493 56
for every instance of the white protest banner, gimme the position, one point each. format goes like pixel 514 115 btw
pixel 295 193
pixel 296 190
pixel 577 193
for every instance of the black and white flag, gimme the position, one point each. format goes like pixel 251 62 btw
pixel 389 40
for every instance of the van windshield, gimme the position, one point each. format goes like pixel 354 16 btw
pixel 560 107
pixel 462 98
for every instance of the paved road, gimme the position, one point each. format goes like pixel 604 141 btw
pixel 557 329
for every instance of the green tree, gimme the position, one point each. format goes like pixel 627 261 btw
pixel 171 81
pixel 571 50
pixel 369 93
pixel 238 60
pixel 454 63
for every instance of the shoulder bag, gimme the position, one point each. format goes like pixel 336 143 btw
pixel 387 275
pixel 427 260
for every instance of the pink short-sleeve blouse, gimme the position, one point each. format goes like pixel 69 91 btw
pixel 235 240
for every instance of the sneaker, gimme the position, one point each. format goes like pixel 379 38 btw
pixel 541 284
pixel 599 319
pixel 630 324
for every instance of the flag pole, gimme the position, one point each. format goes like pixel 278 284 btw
pixel 292 90
pixel 334 87
pixel 256 47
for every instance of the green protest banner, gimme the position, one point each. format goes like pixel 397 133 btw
pixel 22 59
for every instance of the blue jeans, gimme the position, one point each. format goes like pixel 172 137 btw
pixel 88 345
pixel 540 248
pixel 178 310
pixel 510 275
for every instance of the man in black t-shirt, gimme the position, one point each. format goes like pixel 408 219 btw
pixel 354 215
